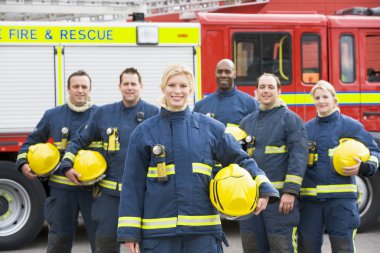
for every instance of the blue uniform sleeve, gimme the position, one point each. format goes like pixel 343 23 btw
pixel 133 190
pixel 229 151
pixel 354 129
pixel 296 142
pixel 39 135
pixel 83 138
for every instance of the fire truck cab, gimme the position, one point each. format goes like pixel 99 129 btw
pixel 302 49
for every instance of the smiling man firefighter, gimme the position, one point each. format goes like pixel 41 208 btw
pixel 113 124
pixel 66 199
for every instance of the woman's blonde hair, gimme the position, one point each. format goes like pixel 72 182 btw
pixel 325 86
pixel 177 69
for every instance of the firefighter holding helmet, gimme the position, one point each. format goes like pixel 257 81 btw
pixel 340 149
pixel 165 201
pixel 113 124
pixel 37 158
pixel 278 143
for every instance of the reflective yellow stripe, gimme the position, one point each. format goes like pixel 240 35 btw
pixel 61 180
pixel 374 159
pixel 276 150
pixel 198 73
pixel 170 222
pixel 332 151
pixel 110 184
pixel 152 171
pixel 182 35
pixel 293 179
pixel 308 192
pixel 69 155
pixel 353 239
pixel 202 168
pixel 335 188
pixel 96 144
pixel 22 155
pixel 315 157
pixel 129 222
pixel 58 145
pixel 278 184
pixel 346 98
pixel 203 220
pixel 369 98
pixel 261 179
pixel 294 239
pixel 60 91
pixel 117 146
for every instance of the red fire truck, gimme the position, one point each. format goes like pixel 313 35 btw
pixel 299 48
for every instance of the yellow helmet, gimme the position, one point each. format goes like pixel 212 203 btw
pixel 43 158
pixel 346 151
pixel 234 193
pixel 238 133
pixel 90 165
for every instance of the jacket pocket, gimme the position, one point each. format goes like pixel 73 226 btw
pixel 150 245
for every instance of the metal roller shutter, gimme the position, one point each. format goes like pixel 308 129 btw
pixel 104 64
pixel 27 86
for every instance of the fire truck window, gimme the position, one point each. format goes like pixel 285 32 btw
pixel 373 58
pixel 256 53
pixel 347 59
pixel 311 57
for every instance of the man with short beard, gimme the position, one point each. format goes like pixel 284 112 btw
pixel 66 199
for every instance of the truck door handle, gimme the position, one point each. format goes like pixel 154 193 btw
pixel 371 113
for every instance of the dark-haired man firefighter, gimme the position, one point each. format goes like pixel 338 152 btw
pixel 279 147
pixel 66 199
pixel 112 123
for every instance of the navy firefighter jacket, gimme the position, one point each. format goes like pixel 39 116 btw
pixel 280 146
pixel 50 126
pixel 227 106
pixel 321 181
pixel 113 124
pixel 151 208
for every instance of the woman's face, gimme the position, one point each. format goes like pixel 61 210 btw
pixel 177 91
pixel 324 102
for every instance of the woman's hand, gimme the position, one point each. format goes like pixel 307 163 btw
pixel 353 170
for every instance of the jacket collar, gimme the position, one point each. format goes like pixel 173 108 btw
pixel 331 117
pixel 226 93
pixel 180 115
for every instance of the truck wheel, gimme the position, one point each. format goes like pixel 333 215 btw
pixel 21 207
pixel 369 206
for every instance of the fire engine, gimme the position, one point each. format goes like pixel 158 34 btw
pixel 37 57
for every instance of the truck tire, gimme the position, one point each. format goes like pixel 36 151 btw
pixel 21 207
pixel 368 200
